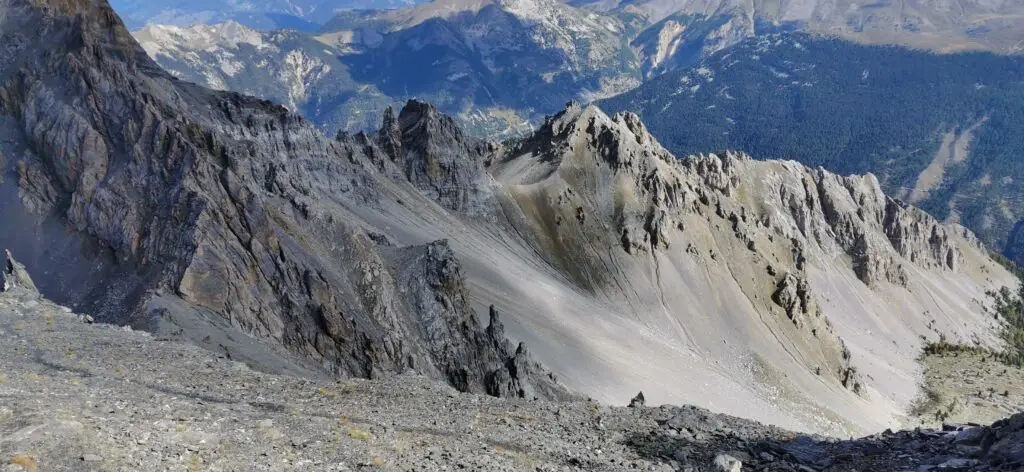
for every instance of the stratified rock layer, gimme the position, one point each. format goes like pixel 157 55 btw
pixel 231 205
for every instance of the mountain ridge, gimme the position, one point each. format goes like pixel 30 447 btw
pixel 822 213
pixel 936 139
pixel 471 62
pixel 803 296
pixel 182 207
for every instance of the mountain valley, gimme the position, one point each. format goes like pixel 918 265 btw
pixel 413 296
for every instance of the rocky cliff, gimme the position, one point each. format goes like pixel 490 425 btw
pixel 782 263
pixel 224 205
pixel 762 289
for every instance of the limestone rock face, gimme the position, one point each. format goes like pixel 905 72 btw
pixel 437 157
pixel 13 274
pixel 676 241
pixel 232 206
pixel 919 237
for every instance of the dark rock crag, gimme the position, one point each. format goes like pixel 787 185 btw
pixel 13 274
pixel 230 205
pixel 428 149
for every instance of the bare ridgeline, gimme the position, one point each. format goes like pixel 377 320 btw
pixel 765 290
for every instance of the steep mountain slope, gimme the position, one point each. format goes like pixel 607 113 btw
pixel 680 40
pixel 788 277
pixel 262 14
pixel 1015 243
pixel 498 66
pixel 763 289
pixel 287 67
pixel 80 396
pixel 210 215
pixel 939 130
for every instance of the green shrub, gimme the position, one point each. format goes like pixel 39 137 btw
pixel 1009 309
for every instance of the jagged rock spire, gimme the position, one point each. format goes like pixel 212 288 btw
pixel 638 401
pixel 13 274
pixel 389 137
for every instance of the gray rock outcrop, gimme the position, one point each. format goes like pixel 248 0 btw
pixel 517 374
pixel 615 213
pixel 439 159
pixel 230 222
pixel 428 149
pixel 793 295
pixel 232 206
pixel 13 274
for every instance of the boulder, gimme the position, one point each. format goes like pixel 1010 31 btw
pixel 638 401
pixel 727 463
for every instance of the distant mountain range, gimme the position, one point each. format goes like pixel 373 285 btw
pixel 498 66
pixel 935 137
pixel 307 15
pixel 933 24
pixel 941 131
pixel 947 25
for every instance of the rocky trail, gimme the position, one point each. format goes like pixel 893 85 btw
pixel 968 387
pixel 75 396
